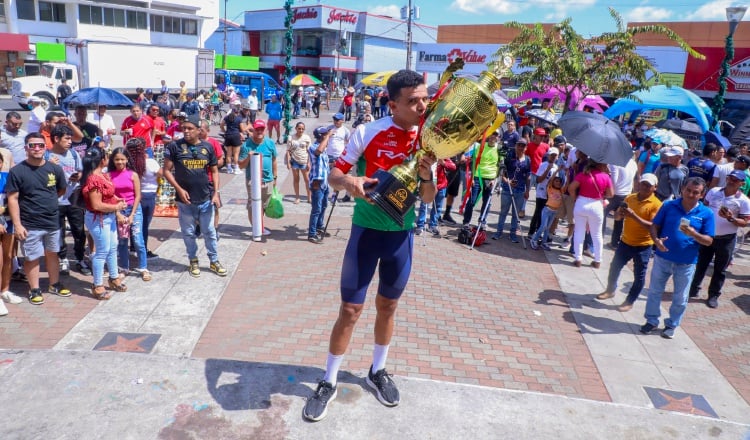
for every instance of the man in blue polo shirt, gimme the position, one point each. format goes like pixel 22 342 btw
pixel 679 229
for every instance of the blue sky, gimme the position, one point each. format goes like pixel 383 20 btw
pixel 590 17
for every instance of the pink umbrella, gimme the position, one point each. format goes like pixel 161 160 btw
pixel 596 102
pixel 559 93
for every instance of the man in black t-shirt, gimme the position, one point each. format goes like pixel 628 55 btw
pixel 63 91
pixel 89 130
pixel 192 160
pixel 34 186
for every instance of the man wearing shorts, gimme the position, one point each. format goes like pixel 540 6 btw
pixel 376 239
pixel 260 144
pixel 34 186
pixel 274 111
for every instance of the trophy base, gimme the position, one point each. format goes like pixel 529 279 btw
pixel 392 196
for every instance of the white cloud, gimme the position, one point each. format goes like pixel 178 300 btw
pixel 387 10
pixel 711 11
pixel 488 6
pixel 648 13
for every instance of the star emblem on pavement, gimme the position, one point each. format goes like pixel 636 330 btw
pixel 682 404
pixel 128 342
pixel 124 344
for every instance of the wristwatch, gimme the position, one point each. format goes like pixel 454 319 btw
pixel 731 219
pixel 426 180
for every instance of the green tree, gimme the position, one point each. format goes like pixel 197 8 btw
pixel 563 58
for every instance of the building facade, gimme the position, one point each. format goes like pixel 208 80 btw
pixel 35 31
pixel 333 44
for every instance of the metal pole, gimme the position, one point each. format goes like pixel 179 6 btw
pixel 734 15
pixel 409 16
pixel 224 58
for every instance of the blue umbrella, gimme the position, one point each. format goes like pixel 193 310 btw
pixel 716 138
pixel 97 96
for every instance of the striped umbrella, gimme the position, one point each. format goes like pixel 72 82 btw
pixel 304 79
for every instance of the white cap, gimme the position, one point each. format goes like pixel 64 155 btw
pixel 553 150
pixel 650 178
pixel 673 151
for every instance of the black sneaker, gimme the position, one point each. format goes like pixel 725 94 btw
pixel 317 405
pixel 667 333
pixel 346 198
pixel 448 219
pixel 36 297
pixel 384 387
pixel 150 254
pixel 713 302
pixel 647 328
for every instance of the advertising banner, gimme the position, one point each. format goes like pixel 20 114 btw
pixel 704 74
pixel 436 57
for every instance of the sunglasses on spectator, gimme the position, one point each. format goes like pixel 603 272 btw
pixel 36 145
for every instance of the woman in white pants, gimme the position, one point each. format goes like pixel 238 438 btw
pixel 591 189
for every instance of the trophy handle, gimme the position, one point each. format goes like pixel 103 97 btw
pixel 499 119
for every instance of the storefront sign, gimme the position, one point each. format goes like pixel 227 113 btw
pixel 343 17
pixel 704 74
pixel 304 14
pixel 436 57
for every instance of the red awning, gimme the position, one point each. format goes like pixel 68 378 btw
pixel 14 42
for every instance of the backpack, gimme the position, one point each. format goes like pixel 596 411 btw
pixel 466 236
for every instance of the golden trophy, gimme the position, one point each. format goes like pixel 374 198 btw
pixel 453 122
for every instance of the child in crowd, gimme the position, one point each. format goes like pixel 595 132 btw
pixel 554 200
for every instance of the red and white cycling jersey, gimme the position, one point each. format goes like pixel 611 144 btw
pixel 381 143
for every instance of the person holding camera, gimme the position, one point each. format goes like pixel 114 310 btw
pixel 731 211
pixel 635 212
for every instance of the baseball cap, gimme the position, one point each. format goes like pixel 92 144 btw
pixel 191 95
pixel 739 175
pixel 254 90
pixel 194 119
pixel 553 150
pixel 744 159
pixel 149 92
pixel 259 124
pixel 338 117
pixel 650 178
pixel 673 151
pixel 320 132
pixel 540 131
pixel 246 105
pixel 521 141
pixel 182 115
pixel 560 140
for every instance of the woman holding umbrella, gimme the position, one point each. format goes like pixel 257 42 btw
pixel 590 189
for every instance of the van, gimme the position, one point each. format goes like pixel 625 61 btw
pixel 244 81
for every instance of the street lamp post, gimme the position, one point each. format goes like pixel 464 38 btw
pixel 734 16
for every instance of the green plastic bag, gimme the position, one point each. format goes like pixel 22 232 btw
pixel 275 208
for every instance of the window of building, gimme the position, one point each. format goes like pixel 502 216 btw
pixel 119 15
pixel 52 12
pixel 2 9
pixel 26 10
pixel 189 27
pixel 157 23
pixel 84 14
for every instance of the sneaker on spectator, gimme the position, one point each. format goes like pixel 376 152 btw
pixel 150 254
pixel 266 231
pixel 19 276
pixel 384 387
pixel 497 236
pixel 83 267
pixel 514 238
pixel 36 297
pixel 217 268
pixel 10 297
pixel 418 231
pixel 448 219
pixel 194 270
pixel 713 302
pixel 3 309
pixel 545 246
pixel 667 333
pixel 64 267
pixel 534 245
pixel 58 289
pixel 434 231
pixel 317 405
pixel 647 328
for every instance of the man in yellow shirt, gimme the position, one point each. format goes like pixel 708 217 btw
pixel 637 210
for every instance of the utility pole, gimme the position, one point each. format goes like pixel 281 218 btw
pixel 409 15
pixel 224 58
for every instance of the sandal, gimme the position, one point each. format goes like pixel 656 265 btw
pixel 117 285
pixel 145 275
pixel 100 293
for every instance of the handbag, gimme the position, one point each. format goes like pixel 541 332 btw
pixel 275 208
pixel 605 202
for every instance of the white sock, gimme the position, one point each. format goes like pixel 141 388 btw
pixel 379 355
pixel 333 363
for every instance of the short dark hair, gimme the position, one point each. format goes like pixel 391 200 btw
pixel 710 149
pixel 695 181
pixel 51 115
pixel 33 135
pixel 12 115
pixel 733 152
pixel 81 106
pixel 58 131
pixel 403 79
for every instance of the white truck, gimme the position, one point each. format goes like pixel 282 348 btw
pixel 123 67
